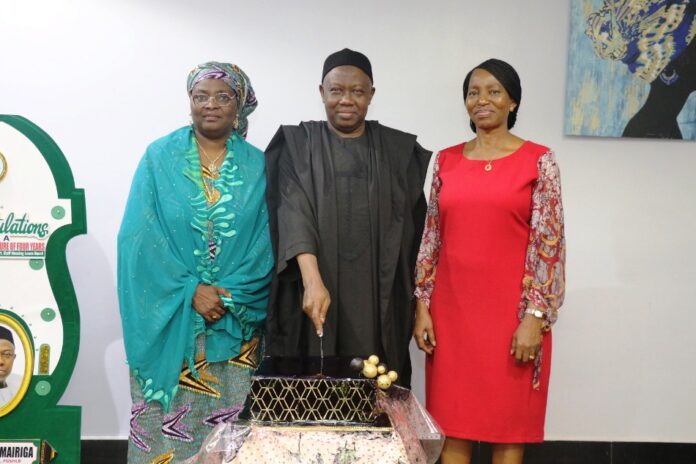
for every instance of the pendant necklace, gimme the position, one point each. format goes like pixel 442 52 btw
pixel 210 174
pixel 213 169
pixel 489 164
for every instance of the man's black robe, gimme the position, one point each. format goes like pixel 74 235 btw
pixel 303 219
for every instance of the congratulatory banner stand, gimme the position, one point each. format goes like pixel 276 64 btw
pixel 40 211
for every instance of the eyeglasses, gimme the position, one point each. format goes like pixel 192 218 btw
pixel 7 355
pixel 222 99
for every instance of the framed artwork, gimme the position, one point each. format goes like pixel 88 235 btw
pixel 632 69
pixel 16 362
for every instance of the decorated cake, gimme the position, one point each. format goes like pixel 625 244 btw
pixel 338 410
pixel 305 392
pixel 312 400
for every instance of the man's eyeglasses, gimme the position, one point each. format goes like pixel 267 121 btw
pixel 222 99
pixel 7 355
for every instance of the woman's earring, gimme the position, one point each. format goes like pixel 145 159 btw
pixel 235 124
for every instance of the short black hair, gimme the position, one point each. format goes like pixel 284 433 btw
pixel 508 78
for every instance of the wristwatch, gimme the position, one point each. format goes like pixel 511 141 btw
pixel 538 313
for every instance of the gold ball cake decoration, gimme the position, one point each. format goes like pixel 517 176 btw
pixel 383 382
pixel 371 368
pixel 369 371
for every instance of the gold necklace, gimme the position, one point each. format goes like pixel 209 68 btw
pixel 212 166
pixel 489 163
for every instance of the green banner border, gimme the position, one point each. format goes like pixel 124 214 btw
pixel 37 413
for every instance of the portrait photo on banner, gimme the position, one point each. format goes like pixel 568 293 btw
pixel 632 69
pixel 15 363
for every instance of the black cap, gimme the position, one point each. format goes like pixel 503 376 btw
pixel 347 57
pixel 5 334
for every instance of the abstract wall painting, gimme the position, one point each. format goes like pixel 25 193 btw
pixel 632 69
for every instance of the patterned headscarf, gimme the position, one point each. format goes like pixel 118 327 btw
pixel 644 34
pixel 234 77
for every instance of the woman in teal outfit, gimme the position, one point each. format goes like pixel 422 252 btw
pixel 194 269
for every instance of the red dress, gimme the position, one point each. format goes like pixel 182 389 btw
pixel 486 275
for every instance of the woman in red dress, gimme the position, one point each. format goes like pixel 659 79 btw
pixel 490 277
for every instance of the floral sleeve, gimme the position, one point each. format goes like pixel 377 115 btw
pixel 430 243
pixel 543 284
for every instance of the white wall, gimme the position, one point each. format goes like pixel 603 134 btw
pixel 106 78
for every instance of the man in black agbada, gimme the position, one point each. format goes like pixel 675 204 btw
pixel 346 208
